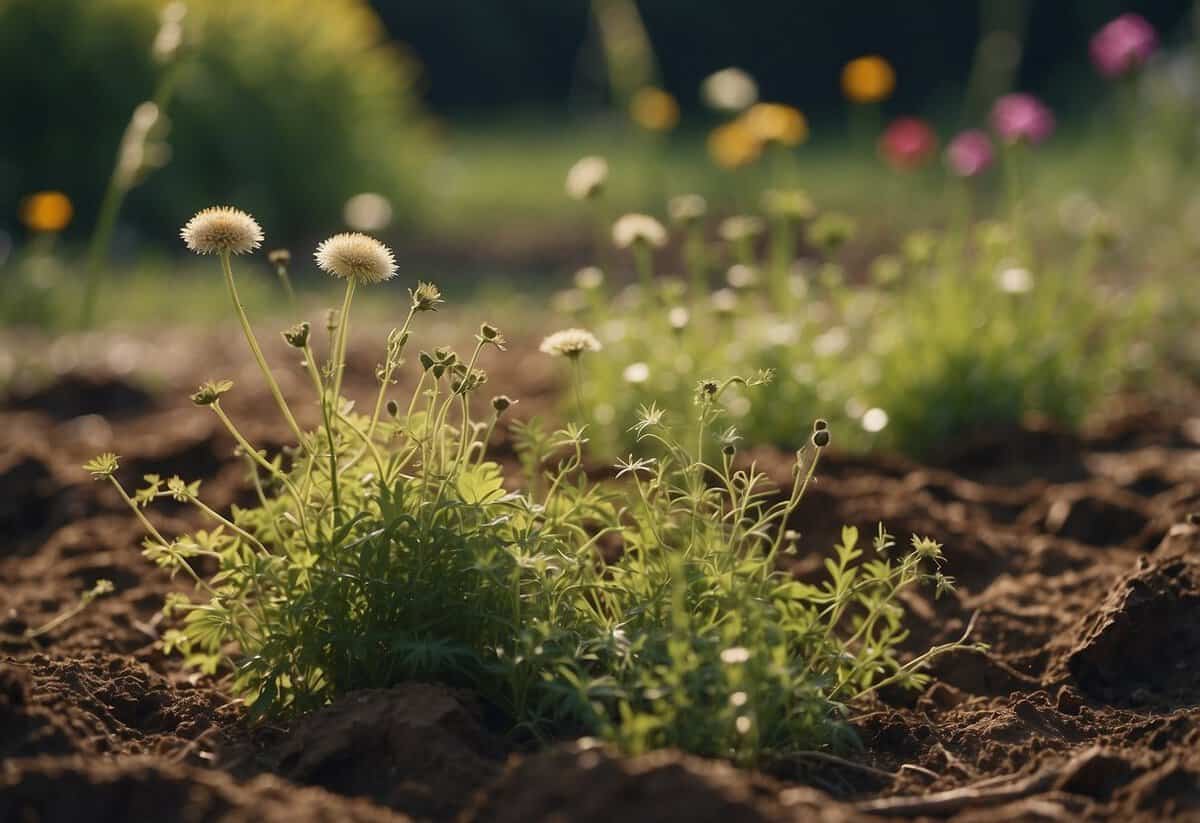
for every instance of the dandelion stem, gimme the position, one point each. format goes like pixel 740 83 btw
pixel 257 351
pixel 339 351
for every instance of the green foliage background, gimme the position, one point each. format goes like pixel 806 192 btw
pixel 284 107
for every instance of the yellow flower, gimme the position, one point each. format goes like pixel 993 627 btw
pixel 868 79
pixel 654 109
pixel 46 211
pixel 733 145
pixel 776 123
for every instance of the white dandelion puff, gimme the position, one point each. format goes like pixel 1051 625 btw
pixel 638 228
pixel 354 256
pixel 570 343
pixel 587 177
pixel 222 229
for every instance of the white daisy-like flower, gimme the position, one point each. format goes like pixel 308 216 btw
pixel 570 343
pixel 587 177
pixel 222 229
pixel 354 256
pixel 638 228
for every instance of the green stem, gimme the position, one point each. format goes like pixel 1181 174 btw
pixel 257 351
pixel 339 351
pixel 387 375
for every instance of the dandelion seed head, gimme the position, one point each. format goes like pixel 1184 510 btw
pixel 587 177
pixel 222 229
pixel 874 420
pixel 570 343
pixel 730 89
pixel 354 256
pixel 633 229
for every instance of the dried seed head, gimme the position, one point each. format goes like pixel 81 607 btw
pixel 570 343
pixel 102 466
pixel 211 392
pixel 489 332
pixel 820 424
pixel 638 229
pixel 393 408
pixel 279 257
pixel 587 177
pixel 502 403
pixel 222 229
pixel 426 297
pixel 820 438
pixel 354 256
pixel 426 360
pixel 297 335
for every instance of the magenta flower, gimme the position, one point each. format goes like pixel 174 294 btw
pixel 1123 45
pixel 907 143
pixel 1022 118
pixel 970 153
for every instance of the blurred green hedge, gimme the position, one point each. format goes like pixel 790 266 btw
pixel 283 107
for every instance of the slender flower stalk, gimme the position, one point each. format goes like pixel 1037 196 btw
pixel 256 350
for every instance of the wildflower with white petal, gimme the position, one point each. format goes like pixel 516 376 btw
pixel 570 343
pixel 222 229
pixel 587 177
pixel 225 231
pixel 355 256
pixel 638 230
pixel 641 233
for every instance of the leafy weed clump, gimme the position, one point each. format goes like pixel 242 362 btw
pixel 648 607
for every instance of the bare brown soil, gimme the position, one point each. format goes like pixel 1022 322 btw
pixel 1073 554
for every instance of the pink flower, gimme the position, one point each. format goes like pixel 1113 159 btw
pixel 907 143
pixel 1021 117
pixel 1123 45
pixel 970 153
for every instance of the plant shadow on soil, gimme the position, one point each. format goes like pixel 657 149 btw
pixel 1072 552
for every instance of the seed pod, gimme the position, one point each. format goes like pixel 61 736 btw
pixel 820 438
pixel 820 424
pixel 393 408
pixel 297 335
